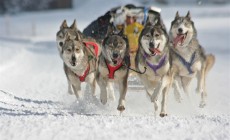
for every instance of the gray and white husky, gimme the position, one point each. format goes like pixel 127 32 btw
pixel 153 54
pixel 72 31
pixel 188 58
pixel 112 66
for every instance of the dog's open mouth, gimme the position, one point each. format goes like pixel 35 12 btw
pixel 180 38
pixel 116 61
pixel 155 51
pixel 73 64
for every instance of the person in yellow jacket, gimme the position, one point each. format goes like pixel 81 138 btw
pixel 132 31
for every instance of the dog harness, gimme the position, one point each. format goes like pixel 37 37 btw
pixel 112 69
pixel 96 47
pixel 82 78
pixel 185 63
pixel 155 67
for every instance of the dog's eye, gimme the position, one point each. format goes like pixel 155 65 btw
pixel 148 35
pixel 68 50
pixel 77 49
pixel 157 35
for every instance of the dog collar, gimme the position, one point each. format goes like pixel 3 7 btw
pixel 159 65
pixel 82 78
pixel 96 47
pixel 112 69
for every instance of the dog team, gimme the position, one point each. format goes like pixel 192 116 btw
pixel 162 60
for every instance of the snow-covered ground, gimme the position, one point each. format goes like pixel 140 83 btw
pixel 34 103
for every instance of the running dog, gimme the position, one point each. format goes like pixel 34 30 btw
pixel 80 56
pixel 112 66
pixel 153 54
pixel 188 57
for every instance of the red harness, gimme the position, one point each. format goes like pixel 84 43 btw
pixel 82 78
pixel 112 69
pixel 96 47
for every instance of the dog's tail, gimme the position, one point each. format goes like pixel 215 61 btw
pixel 210 60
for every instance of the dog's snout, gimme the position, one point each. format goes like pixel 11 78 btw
pixel 180 30
pixel 151 44
pixel 115 55
pixel 73 58
pixel 61 43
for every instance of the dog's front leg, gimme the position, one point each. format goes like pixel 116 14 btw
pixel 164 101
pixel 92 84
pixel 164 82
pixel 176 86
pixel 122 90
pixel 70 90
pixel 201 87
pixel 102 82
pixel 185 84
pixel 110 91
pixel 77 90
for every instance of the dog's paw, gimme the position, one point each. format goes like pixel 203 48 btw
pixel 70 92
pixel 103 99
pixel 202 104
pixel 163 114
pixel 120 108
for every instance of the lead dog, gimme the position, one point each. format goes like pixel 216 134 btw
pixel 80 56
pixel 188 58
pixel 112 66
pixel 153 54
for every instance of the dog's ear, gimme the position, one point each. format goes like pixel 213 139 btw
pixel 188 15
pixel 74 25
pixel 149 23
pixel 177 15
pixel 78 36
pixel 64 25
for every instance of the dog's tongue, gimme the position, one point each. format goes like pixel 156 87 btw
pixel 155 51
pixel 178 39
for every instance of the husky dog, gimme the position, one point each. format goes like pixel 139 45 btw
pixel 112 66
pixel 153 54
pixel 80 56
pixel 188 58
pixel 61 34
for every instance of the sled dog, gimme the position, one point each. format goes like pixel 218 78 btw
pixel 80 58
pixel 188 57
pixel 153 54
pixel 61 34
pixel 112 66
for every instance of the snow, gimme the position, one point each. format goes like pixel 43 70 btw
pixel 34 103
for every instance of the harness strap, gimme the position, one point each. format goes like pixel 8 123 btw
pixel 112 69
pixel 159 65
pixel 96 47
pixel 185 63
pixel 82 78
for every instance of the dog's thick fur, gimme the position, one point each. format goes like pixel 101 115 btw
pixel 80 60
pixel 115 51
pixel 188 58
pixel 154 50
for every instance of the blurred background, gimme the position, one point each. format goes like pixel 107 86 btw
pixel 15 6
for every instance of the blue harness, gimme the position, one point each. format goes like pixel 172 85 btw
pixel 155 67
pixel 185 63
